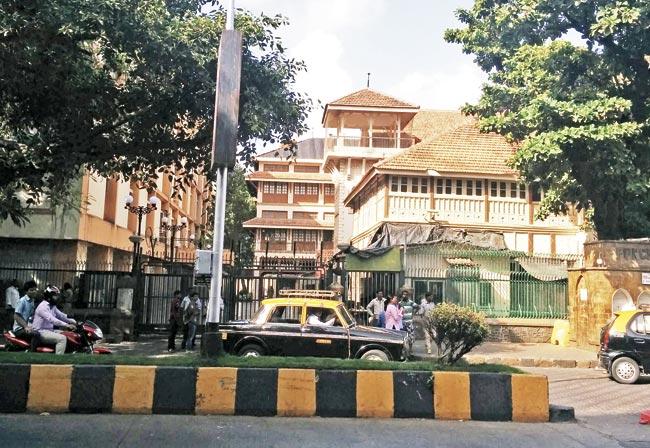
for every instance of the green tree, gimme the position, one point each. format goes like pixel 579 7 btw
pixel 569 82
pixel 123 87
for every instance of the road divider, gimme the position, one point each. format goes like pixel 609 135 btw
pixel 270 392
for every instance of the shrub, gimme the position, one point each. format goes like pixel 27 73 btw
pixel 456 330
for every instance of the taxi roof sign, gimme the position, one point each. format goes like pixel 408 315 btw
pixel 308 293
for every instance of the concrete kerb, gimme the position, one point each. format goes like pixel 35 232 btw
pixel 272 391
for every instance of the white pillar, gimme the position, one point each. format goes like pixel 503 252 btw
pixel 370 132
pixel 399 132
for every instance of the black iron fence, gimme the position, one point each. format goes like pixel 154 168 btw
pixel 155 283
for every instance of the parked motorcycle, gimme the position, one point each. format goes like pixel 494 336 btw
pixel 80 340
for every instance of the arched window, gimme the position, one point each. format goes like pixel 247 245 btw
pixel 621 301
pixel 644 299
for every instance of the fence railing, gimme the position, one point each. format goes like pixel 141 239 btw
pixel 368 142
pixel 502 284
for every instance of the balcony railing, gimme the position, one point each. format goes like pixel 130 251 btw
pixel 298 247
pixel 332 143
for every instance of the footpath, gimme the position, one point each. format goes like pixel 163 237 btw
pixel 523 355
pixel 511 354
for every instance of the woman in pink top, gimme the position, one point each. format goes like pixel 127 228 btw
pixel 393 315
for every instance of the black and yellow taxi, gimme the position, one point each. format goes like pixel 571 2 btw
pixel 625 345
pixel 309 324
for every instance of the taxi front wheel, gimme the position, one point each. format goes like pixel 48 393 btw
pixel 374 355
pixel 625 370
pixel 251 351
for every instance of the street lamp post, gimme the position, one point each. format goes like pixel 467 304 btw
pixel 139 211
pixel 167 224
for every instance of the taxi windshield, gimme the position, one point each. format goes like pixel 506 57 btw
pixel 346 316
pixel 260 315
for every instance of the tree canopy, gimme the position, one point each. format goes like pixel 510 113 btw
pixel 122 87
pixel 569 81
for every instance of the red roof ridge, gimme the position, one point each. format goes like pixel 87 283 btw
pixel 364 97
pixel 423 155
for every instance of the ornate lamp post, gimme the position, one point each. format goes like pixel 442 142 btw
pixel 140 211
pixel 167 223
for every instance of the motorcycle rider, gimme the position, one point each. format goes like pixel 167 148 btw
pixel 47 315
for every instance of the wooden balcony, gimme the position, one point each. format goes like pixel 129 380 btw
pixel 375 147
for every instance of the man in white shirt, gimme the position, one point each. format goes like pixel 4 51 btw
pixel 376 307
pixel 314 320
pixel 12 296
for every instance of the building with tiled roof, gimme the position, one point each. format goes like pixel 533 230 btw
pixel 295 204
pixel 459 178
pixel 448 153
pixel 386 161
pixel 371 98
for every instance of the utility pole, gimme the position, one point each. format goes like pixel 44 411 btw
pixel 224 148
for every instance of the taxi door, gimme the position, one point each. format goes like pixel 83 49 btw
pixel 641 339
pixel 325 340
pixel 282 331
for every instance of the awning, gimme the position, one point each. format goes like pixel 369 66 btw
pixel 389 261
pixel 544 269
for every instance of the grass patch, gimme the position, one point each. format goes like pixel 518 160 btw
pixel 193 360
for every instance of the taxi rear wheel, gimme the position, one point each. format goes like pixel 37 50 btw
pixel 251 351
pixel 625 370
pixel 374 355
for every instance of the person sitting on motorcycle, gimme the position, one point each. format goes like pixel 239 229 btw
pixel 24 313
pixel 47 316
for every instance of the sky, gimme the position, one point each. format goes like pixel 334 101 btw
pixel 400 42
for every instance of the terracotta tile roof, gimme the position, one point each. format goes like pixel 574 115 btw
pixel 462 150
pixel 310 148
pixel 296 177
pixel 371 98
pixel 428 124
pixel 293 223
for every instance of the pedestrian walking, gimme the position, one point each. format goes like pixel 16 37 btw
pixel 408 307
pixel 375 308
pixel 191 316
pixel 427 306
pixel 175 320
pixel 393 315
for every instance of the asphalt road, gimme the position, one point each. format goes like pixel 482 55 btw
pixel 225 432
pixel 602 405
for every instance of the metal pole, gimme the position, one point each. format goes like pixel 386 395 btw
pixel 223 153
pixel 230 15
pixel 173 244
pixel 214 306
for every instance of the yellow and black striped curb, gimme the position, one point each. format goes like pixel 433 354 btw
pixel 268 392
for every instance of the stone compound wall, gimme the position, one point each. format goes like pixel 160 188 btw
pixel 609 266
pixel 520 330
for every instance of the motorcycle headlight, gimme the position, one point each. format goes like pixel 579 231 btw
pixel 99 333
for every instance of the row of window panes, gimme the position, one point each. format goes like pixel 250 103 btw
pixel 467 187
pixel 305 235
pixel 274 235
pixel 281 235
pixel 300 188
pixel 275 188
pixel 511 190
pixel 305 189
pixel 405 184
pixel 459 187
